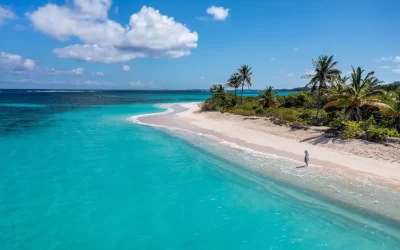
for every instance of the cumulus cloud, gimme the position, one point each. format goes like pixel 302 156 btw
pixel 396 59
pixel 218 13
pixel 148 33
pixel 14 62
pixel 385 67
pixel 98 73
pixel 96 53
pixel 126 68
pixel 396 70
pixel 6 14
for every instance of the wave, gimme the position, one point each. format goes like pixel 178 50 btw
pixel 221 141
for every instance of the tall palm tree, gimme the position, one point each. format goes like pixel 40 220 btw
pixel 245 78
pixel 267 97
pixel 234 82
pixel 324 73
pixel 358 93
pixel 217 90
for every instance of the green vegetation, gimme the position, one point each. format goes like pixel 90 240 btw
pixel 355 107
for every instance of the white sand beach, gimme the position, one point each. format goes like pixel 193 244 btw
pixel 261 134
pixel 364 175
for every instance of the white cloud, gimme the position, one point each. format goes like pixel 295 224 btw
pixel 385 67
pixel 29 64
pixel 15 62
pixel 126 68
pixel 218 13
pixel 52 71
pixel 396 70
pixel 78 71
pixel 95 83
pixel 98 73
pixel 290 74
pixel 95 53
pixel 309 72
pixel 6 14
pixel 141 84
pixel 396 59
pixel 383 59
pixel 148 34
pixel 296 49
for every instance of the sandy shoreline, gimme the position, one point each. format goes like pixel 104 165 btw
pixel 365 162
pixel 355 155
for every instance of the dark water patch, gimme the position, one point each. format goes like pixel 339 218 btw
pixel 21 110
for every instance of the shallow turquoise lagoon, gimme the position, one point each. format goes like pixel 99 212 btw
pixel 87 178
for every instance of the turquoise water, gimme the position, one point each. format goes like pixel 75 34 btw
pixel 84 177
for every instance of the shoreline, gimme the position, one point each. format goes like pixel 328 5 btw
pixel 365 183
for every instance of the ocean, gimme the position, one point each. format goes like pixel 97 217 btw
pixel 77 173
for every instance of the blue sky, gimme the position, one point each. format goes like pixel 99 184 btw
pixel 116 44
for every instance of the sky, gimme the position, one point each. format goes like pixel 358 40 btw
pixel 159 44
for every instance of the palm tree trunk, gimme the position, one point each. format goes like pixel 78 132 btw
pixel 318 101
pixel 358 114
pixel 241 98
pixel 235 94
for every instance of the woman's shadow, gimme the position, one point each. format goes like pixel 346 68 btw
pixel 302 166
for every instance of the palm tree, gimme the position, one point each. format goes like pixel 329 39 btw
pixel 217 90
pixel 267 97
pixel 394 111
pixel 358 93
pixel 324 73
pixel 234 82
pixel 245 78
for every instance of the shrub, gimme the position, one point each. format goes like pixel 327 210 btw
pixel 286 114
pixel 306 115
pixel 298 100
pixel 208 105
pixel 240 111
pixel 369 123
pixel 379 134
pixel 259 110
pixel 337 124
pixel 351 129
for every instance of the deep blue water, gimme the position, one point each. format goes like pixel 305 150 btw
pixel 76 174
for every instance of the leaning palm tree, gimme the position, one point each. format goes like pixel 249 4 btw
pixel 217 90
pixel 358 93
pixel 245 78
pixel 234 82
pixel 267 97
pixel 324 73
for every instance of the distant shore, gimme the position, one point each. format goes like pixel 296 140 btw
pixel 375 162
